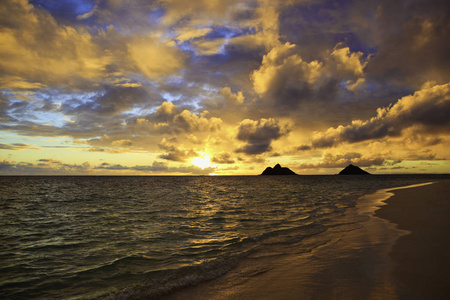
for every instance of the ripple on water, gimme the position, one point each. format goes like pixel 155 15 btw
pixel 63 237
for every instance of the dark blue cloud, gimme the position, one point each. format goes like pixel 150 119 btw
pixel 319 26
pixel 227 32
pixel 65 9
pixel 156 15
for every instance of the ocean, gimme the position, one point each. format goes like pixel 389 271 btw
pixel 86 237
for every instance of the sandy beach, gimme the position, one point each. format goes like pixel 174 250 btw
pixel 422 257
pixel 398 251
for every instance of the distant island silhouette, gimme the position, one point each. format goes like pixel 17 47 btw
pixel 353 170
pixel 278 170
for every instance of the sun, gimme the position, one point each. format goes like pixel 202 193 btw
pixel 203 161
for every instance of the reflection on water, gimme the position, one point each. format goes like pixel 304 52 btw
pixel 62 237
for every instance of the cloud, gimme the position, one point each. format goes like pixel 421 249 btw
pixel 35 49
pixel 304 147
pixel 17 146
pixel 154 59
pixel 353 86
pixel 50 161
pixel 122 143
pixel 40 51
pixel 191 33
pixel 282 67
pixel 175 78
pixel 427 110
pixel 129 130
pixel 127 15
pixel 109 150
pixel 178 154
pixel 4 106
pixel 285 80
pixel 5 165
pixel 222 158
pixel 114 100
pixel 404 38
pixel 199 10
pixel 342 160
pixel 191 122
pixel 43 167
pixel 209 47
pixel 50 166
pixel 163 113
pixel 169 119
pixel 347 62
pixel 253 160
pixel 259 134
pixel 249 24
pixel 155 167
pixel 237 98
pixel 410 39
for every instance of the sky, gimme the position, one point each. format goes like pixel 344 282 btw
pixel 223 87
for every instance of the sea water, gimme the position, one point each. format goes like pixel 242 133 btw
pixel 122 237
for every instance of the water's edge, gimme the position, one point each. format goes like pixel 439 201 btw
pixel 121 237
pixel 360 220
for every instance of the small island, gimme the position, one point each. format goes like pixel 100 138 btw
pixel 278 170
pixel 353 170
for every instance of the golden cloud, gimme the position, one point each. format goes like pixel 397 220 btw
pixel 427 110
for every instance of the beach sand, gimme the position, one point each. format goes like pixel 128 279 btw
pixel 401 251
pixel 422 257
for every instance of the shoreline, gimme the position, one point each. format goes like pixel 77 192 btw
pixel 359 260
pixel 421 257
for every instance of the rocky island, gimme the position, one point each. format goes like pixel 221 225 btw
pixel 278 170
pixel 353 170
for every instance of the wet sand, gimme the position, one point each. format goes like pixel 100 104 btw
pixel 422 257
pixel 373 258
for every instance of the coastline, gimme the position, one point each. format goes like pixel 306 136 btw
pixel 355 260
pixel 422 257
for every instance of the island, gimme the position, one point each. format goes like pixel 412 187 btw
pixel 278 170
pixel 353 170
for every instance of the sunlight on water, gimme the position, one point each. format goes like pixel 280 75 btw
pixel 63 237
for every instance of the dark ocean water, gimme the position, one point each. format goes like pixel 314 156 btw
pixel 121 237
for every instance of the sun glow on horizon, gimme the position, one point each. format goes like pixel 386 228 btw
pixel 203 161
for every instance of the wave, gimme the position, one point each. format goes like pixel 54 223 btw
pixel 163 282
pixel 83 237
pixel 166 281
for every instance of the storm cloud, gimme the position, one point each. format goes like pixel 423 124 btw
pixel 259 134
pixel 427 110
